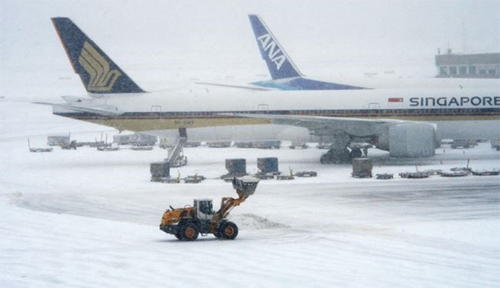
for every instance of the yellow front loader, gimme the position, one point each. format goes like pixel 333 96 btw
pixel 187 223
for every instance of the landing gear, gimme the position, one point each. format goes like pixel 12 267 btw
pixel 355 153
pixel 338 153
pixel 335 156
pixel 340 156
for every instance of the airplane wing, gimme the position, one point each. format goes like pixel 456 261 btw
pixel 95 110
pixel 236 86
pixel 295 83
pixel 326 125
pixel 401 138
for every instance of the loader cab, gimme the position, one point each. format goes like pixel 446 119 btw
pixel 204 208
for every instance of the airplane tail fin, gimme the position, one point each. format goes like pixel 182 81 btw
pixel 279 63
pixel 99 74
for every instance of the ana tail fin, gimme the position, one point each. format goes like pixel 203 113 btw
pixel 279 63
pixel 99 74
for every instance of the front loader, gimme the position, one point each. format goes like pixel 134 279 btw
pixel 187 223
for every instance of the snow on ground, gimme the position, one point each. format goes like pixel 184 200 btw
pixel 86 218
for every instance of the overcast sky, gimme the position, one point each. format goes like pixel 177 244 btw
pixel 216 35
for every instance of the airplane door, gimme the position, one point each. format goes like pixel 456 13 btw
pixel 374 108
pixel 156 109
pixel 262 107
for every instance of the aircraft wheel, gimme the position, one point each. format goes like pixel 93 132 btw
pixel 336 157
pixel 356 153
pixel 341 157
pixel 324 159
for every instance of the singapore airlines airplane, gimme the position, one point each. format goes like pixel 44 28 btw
pixel 404 122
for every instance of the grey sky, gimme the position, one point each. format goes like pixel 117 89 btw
pixel 190 35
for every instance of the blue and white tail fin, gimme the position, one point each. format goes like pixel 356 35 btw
pixel 284 73
pixel 279 63
pixel 99 74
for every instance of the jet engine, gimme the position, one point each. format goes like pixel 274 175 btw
pixel 409 140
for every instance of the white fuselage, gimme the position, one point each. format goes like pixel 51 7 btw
pixel 466 107
pixel 446 99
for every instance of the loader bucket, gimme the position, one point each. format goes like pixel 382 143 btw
pixel 246 185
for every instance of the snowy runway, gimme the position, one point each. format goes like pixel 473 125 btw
pixel 86 218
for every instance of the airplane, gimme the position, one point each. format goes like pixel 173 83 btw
pixel 284 73
pixel 286 76
pixel 405 122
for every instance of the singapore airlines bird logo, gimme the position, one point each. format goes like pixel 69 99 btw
pixel 101 78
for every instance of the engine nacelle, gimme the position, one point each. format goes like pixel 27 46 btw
pixel 412 140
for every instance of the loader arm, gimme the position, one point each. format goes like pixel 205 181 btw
pixel 227 204
pixel 188 222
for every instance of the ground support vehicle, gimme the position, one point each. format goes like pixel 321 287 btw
pixel 306 174
pixel 187 223
pixel 464 143
pixel 495 144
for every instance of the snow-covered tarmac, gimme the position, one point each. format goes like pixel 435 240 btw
pixel 86 218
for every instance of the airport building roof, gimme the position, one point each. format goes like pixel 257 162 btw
pixel 480 65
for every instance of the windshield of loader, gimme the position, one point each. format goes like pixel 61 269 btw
pixel 206 207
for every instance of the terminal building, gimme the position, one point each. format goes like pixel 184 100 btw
pixel 483 65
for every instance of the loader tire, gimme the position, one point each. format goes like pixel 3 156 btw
pixel 217 232
pixel 189 232
pixel 228 231
pixel 178 235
